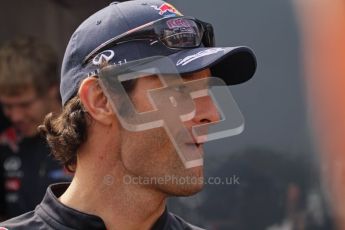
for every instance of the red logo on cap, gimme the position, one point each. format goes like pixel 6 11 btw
pixel 166 7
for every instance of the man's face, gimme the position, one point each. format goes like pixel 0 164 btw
pixel 25 110
pixel 151 153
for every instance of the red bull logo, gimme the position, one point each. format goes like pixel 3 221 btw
pixel 166 8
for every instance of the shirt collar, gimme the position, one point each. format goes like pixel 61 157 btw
pixel 52 210
pixel 56 214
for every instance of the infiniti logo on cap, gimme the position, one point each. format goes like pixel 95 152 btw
pixel 103 57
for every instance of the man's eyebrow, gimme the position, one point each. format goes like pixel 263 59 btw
pixel 187 76
pixel 196 74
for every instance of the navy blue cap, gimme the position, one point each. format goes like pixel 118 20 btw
pixel 233 64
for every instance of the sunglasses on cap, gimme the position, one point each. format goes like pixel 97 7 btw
pixel 174 32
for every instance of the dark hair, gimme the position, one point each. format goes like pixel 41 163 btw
pixel 27 62
pixel 66 132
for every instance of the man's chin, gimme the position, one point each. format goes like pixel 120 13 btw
pixel 189 190
pixel 184 186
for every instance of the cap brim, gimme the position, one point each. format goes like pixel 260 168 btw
pixel 233 64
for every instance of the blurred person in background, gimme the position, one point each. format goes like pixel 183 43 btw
pixel 28 91
pixel 322 26
pixel 4 124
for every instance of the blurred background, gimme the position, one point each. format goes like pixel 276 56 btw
pixel 277 159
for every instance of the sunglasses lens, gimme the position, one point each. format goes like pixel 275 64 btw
pixel 181 33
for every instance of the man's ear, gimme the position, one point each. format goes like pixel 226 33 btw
pixel 95 102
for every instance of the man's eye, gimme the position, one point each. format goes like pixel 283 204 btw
pixel 181 88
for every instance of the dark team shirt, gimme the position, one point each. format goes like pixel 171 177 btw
pixel 27 169
pixel 4 122
pixel 52 214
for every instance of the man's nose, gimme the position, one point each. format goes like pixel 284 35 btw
pixel 15 114
pixel 205 110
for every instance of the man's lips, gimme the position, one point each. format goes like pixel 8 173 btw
pixel 199 143
pixel 195 143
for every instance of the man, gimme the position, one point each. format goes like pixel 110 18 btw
pixel 90 137
pixel 28 91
